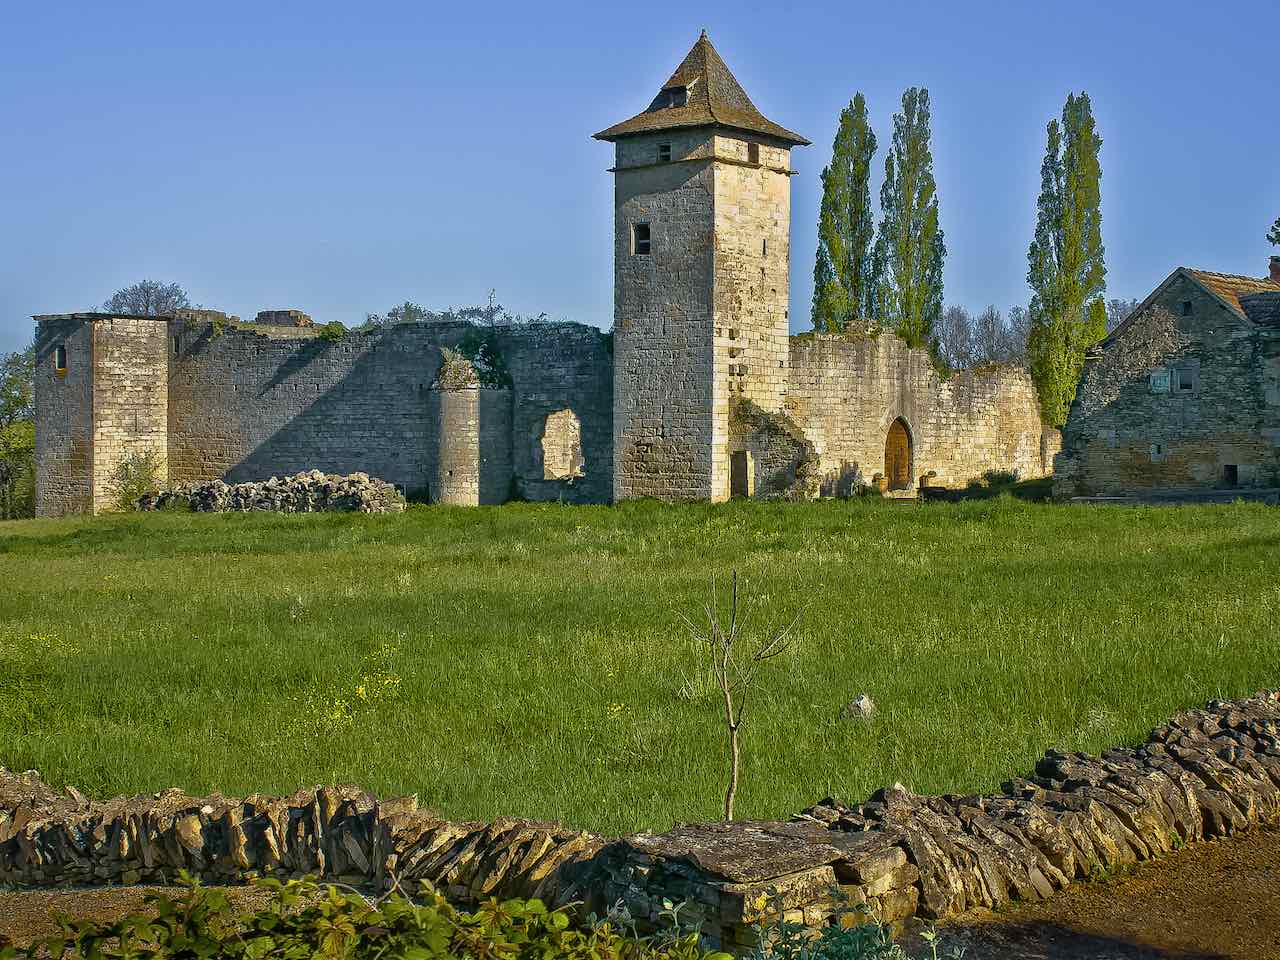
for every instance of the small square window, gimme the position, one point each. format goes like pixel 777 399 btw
pixel 60 358
pixel 1186 381
pixel 1157 452
pixel 753 153
pixel 1186 308
pixel 664 153
pixel 640 239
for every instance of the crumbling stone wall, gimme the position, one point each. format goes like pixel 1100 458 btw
pixel 845 392
pixel 1131 429
pixel 1207 773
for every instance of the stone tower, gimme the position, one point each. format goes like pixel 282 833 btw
pixel 702 209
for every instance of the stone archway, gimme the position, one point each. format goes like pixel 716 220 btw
pixel 897 456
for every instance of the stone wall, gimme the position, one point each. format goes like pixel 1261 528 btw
pixel 845 392
pixel 130 398
pixel 1133 428
pixel 1207 773
pixel 752 286
pixel 64 428
pixel 665 377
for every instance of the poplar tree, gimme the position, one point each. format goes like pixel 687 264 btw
pixel 1274 233
pixel 1066 269
pixel 909 247
pixel 843 284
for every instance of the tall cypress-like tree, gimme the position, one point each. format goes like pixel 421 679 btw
pixel 909 249
pixel 1274 233
pixel 843 284
pixel 1066 268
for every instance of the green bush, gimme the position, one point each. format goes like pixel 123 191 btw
pixel 303 920
pixel 333 332
pixel 138 473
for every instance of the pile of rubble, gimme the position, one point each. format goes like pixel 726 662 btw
pixel 312 492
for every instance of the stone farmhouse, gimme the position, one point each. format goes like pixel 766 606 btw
pixel 699 392
pixel 1184 396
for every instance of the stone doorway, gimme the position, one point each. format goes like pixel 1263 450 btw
pixel 897 456
pixel 741 474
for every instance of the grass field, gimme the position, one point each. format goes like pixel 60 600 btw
pixel 530 660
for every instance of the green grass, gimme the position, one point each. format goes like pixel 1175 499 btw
pixel 530 660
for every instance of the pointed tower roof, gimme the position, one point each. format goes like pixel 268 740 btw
pixel 702 92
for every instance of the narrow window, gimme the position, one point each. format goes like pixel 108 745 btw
pixel 1186 308
pixel 753 153
pixel 177 345
pixel 764 247
pixel 664 153
pixel 1230 474
pixel 60 358
pixel 640 239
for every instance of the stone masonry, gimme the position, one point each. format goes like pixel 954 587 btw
pixel 698 384
pixel 1184 396
pixel 1207 773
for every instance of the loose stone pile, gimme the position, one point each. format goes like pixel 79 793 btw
pixel 311 492
pixel 1207 773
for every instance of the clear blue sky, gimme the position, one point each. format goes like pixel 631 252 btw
pixel 341 157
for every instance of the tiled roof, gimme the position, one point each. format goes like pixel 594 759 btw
pixel 713 98
pixel 1230 288
pixel 1262 307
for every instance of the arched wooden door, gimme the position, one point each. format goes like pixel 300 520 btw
pixel 897 456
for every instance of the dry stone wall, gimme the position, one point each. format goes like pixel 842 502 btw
pixel 1207 773
pixel 312 492
pixel 845 393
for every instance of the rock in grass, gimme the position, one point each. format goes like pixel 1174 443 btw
pixel 861 707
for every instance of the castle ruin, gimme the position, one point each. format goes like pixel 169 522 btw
pixel 698 393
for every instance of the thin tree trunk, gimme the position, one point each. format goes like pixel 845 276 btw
pixel 733 773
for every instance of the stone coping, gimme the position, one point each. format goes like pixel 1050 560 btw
pixel 1206 773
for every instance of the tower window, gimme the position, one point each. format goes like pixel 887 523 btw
pixel 664 153
pixel 60 358
pixel 764 247
pixel 1186 308
pixel 177 345
pixel 640 239
pixel 753 153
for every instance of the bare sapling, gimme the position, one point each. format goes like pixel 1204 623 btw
pixel 735 668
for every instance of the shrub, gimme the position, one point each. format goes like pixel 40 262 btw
pixel 333 332
pixel 139 472
pixel 304 920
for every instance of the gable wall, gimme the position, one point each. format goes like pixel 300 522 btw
pixel 1123 437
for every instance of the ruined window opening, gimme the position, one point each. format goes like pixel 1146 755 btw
pixel 640 239
pixel 1230 474
pixel 764 247
pixel 1186 308
pixel 177 345
pixel 753 153
pixel 562 447
pixel 664 153
pixel 60 358
pixel 1186 381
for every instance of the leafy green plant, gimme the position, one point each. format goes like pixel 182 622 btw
pixel 138 472
pixel 304 920
pixel 333 332
pixel 853 935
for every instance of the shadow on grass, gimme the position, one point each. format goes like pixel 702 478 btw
pixel 992 484
pixel 1056 941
